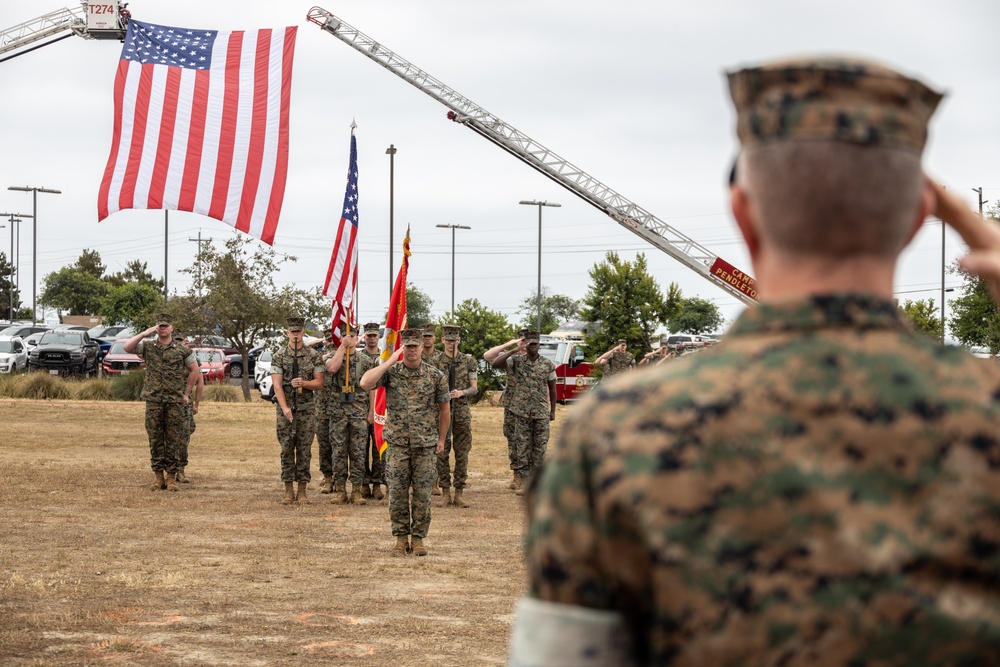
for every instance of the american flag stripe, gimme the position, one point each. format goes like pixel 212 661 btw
pixel 201 125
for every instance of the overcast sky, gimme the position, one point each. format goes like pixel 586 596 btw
pixel 632 93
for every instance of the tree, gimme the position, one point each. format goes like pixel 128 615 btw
pixel 624 301
pixel 136 272
pixel 924 316
pixel 556 309
pixel 74 290
pixel 90 262
pixel 697 316
pixel 8 289
pixel 418 307
pixel 132 304
pixel 240 300
pixel 975 319
pixel 482 329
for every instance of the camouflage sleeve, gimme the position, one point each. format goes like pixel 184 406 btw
pixel 277 361
pixel 190 359
pixel 473 369
pixel 563 543
pixel 140 349
pixel 442 392
pixel 384 380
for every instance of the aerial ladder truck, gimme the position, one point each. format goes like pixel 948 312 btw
pixel 629 215
pixel 91 20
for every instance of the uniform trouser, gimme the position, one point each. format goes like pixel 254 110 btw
pixel 377 470
pixel 182 450
pixel 508 425
pixel 409 468
pixel 348 437
pixel 296 452
pixel 165 426
pixel 323 440
pixel 461 434
pixel 530 437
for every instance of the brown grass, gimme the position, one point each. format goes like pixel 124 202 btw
pixel 96 569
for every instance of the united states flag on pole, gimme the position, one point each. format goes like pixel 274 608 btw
pixel 201 125
pixel 342 275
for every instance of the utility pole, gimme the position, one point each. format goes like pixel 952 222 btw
pixel 199 241
pixel 34 238
pixel 979 191
pixel 453 228
pixel 538 294
pixel 391 152
pixel 14 217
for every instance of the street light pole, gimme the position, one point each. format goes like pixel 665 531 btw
pixel 538 294
pixel 34 239
pixel 453 228
pixel 391 152
pixel 13 217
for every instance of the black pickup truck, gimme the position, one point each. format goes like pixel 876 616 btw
pixel 64 353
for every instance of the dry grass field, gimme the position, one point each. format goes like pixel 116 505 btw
pixel 95 569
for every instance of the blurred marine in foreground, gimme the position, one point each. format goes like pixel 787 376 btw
pixel 823 486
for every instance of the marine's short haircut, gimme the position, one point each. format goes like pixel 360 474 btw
pixel 832 199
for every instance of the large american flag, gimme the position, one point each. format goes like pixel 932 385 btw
pixel 342 274
pixel 201 124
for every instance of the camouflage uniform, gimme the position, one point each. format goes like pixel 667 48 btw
pixel 163 390
pixel 324 449
pixel 822 485
pixel 412 397
pixel 820 488
pixel 527 382
pixel 376 466
pixel 349 423
pixel 508 416
pixel 460 372
pixel 296 454
pixel 618 362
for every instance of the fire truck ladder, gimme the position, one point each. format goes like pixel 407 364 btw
pixel 13 40
pixel 678 245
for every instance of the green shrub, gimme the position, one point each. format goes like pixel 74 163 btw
pixel 222 393
pixel 128 387
pixel 42 385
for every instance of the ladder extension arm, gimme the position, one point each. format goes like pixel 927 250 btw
pixel 462 110
pixel 43 27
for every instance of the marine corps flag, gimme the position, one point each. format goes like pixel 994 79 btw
pixel 395 322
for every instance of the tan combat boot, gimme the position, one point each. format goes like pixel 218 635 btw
pixel 326 486
pixel 366 491
pixel 357 496
pixel 172 482
pixel 377 492
pixel 401 546
pixel 340 495
pixel 445 496
pixel 417 546
pixel 459 501
pixel 521 487
pixel 301 497
pixel 436 491
pixel 159 482
pixel 512 484
pixel 181 477
pixel 289 496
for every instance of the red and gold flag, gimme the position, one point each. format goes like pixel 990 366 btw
pixel 395 322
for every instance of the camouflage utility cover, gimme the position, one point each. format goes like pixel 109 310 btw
pixel 821 488
pixel 528 385
pixel 619 362
pixel 831 99
pixel 412 396
pixel 166 370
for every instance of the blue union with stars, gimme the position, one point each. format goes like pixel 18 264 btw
pixel 147 43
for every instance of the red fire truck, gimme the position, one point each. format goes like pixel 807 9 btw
pixel 573 378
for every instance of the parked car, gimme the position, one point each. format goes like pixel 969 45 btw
pixel 214 364
pixel 13 354
pixel 23 330
pixel 101 331
pixel 30 342
pixel 236 362
pixel 266 389
pixel 263 368
pixel 65 352
pixel 119 362
pixel 71 327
